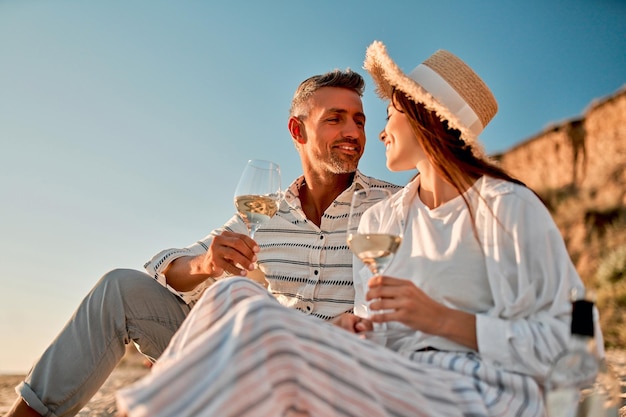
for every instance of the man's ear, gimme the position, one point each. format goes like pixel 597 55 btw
pixel 296 129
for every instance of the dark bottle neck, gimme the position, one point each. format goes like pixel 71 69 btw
pixel 582 318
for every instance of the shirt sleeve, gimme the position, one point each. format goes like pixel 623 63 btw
pixel 531 275
pixel 161 260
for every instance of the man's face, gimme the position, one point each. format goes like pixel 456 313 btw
pixel 334 131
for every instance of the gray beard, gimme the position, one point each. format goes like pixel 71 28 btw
pixel 341 166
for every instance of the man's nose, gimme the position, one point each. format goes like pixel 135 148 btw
pixel 352 129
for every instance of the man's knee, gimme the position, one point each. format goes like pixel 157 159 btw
pixel 128 281
pixel 122 276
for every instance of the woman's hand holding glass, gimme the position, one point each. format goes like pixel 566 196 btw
pixel 375 240
pixel 402 301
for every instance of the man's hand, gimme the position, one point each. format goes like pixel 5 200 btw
pixel 352 323
pixel 234 253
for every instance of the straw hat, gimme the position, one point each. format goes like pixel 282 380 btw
pixel 443 83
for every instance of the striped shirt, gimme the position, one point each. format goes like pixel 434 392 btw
pixel 307 267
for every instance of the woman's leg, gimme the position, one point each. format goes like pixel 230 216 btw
pixel 502 393
pixel 217 300
pixel 253 357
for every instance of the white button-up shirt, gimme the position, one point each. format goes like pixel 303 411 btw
pixel 516 278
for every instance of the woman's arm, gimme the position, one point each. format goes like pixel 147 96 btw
pixel 531 276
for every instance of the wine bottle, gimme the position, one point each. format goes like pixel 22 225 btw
pixel 604 398
pixel 580 384
pixel 576 368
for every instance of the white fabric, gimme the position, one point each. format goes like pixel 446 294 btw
pixel 441 255
pixel 446 95
pixel 308 268
pixel 519 290
pixel 240 353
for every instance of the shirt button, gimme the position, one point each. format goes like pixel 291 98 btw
pixel 309 308
pixel 316 272
pixel 321 237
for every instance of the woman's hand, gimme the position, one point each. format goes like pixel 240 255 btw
pixel 352 323
pixel 404 302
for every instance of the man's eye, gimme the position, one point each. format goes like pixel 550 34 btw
pixel 332 119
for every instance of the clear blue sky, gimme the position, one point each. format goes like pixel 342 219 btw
pixel 124 125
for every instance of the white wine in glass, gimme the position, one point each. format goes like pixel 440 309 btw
pixel 375 240
pixel 374 249
pixel 258 193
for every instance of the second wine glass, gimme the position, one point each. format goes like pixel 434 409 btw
pixel 258 193
pixel 374 240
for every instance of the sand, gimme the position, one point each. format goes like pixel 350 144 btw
pixel 103 403
pixel 132 367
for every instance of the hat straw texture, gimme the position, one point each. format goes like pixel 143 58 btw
pixel 443 84
pixel 465 81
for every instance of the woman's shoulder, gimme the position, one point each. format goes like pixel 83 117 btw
pixel 509 197
pixel 498 188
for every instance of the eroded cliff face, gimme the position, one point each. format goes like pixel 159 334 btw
pixel 579 168
pixel 588 153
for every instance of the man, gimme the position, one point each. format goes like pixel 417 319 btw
pixel 302 251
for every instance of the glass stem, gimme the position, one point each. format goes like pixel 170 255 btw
pixel 253 230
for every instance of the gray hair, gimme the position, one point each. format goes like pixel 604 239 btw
pixel 336 78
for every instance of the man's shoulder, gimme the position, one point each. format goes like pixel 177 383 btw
pixel 375 182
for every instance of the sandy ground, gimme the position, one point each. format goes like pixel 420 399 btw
pixel 103 403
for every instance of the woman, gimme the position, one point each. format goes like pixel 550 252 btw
pixel 480 285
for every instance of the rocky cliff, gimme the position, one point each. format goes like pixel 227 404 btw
pixel 579 168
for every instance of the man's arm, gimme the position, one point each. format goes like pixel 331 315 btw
pixel 229 252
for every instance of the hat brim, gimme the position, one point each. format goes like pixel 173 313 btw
pixel 387 75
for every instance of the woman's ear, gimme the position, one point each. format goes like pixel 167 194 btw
pixel 296 129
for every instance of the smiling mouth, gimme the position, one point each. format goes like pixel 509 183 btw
pixel 348 148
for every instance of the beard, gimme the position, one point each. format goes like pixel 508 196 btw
pixel 342 164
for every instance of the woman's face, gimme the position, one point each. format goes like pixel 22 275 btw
pixel 402 149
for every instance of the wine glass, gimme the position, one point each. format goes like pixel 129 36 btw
pixel 258 193
pixel 375 240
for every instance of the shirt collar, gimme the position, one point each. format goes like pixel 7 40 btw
pixel 292 194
